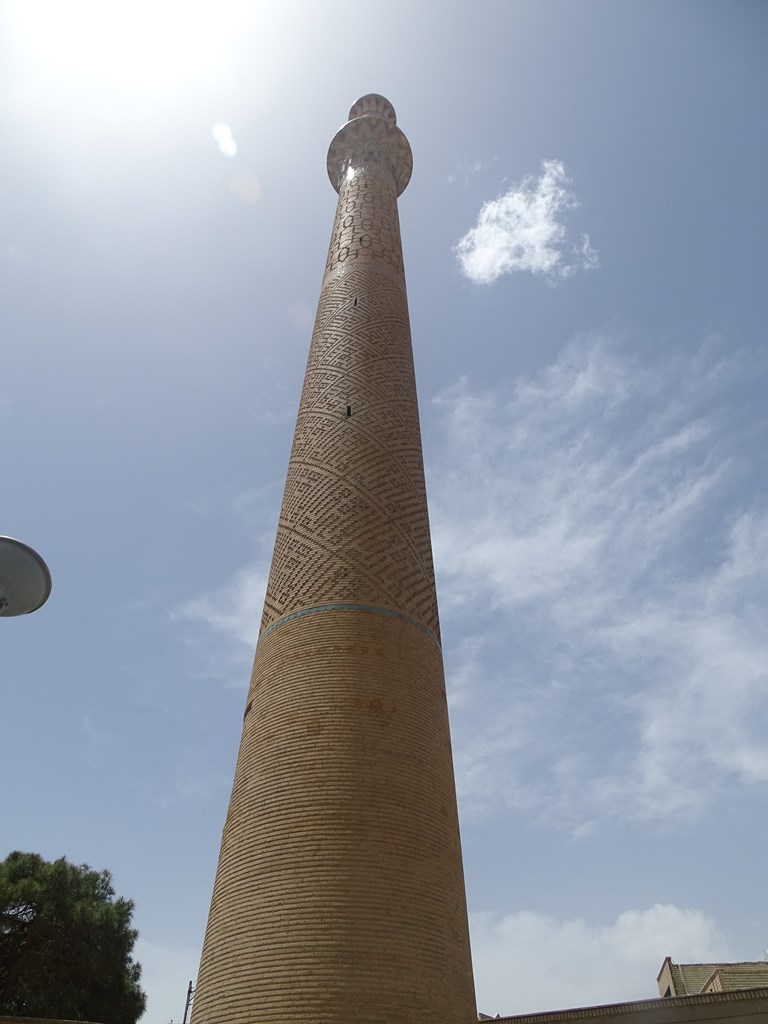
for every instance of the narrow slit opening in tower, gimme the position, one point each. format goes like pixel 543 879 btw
pixel 349 410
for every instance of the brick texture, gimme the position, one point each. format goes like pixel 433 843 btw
pixel 339 892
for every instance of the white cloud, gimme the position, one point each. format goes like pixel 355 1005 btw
pixel 222 133
pixel 603 565
pixel 528 961
pixel 234 609
pixel 523 962
pixel 220 626
pixel 595 526
pixel 522 230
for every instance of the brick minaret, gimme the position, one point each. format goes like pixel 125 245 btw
pixel 339 893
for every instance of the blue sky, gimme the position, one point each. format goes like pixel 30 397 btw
pixel 584 239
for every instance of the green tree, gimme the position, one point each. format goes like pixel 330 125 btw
pixel 65 943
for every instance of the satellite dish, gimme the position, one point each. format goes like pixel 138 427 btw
pixel 25 581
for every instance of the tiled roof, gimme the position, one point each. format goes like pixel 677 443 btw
pixel 734 977
pixel 752 1002
pixel 692 978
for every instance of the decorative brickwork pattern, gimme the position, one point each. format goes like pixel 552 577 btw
pixel 339 893
pixel 354 511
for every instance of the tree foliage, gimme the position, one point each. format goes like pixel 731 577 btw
pixel 65 943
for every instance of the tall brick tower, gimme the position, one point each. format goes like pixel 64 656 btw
pixel 339 894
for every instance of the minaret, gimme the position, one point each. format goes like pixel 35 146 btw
pixel 339 893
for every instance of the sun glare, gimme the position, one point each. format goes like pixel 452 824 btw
pixel 134 43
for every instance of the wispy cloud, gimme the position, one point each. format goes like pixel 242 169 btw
pixel 523 230
pixel 603 565
pixel 468 169
pixel 220 627
pixel 595 534
pixel 577 963
pixel 234 609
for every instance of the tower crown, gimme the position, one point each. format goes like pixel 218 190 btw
pixel 371 139
pixel 372 104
